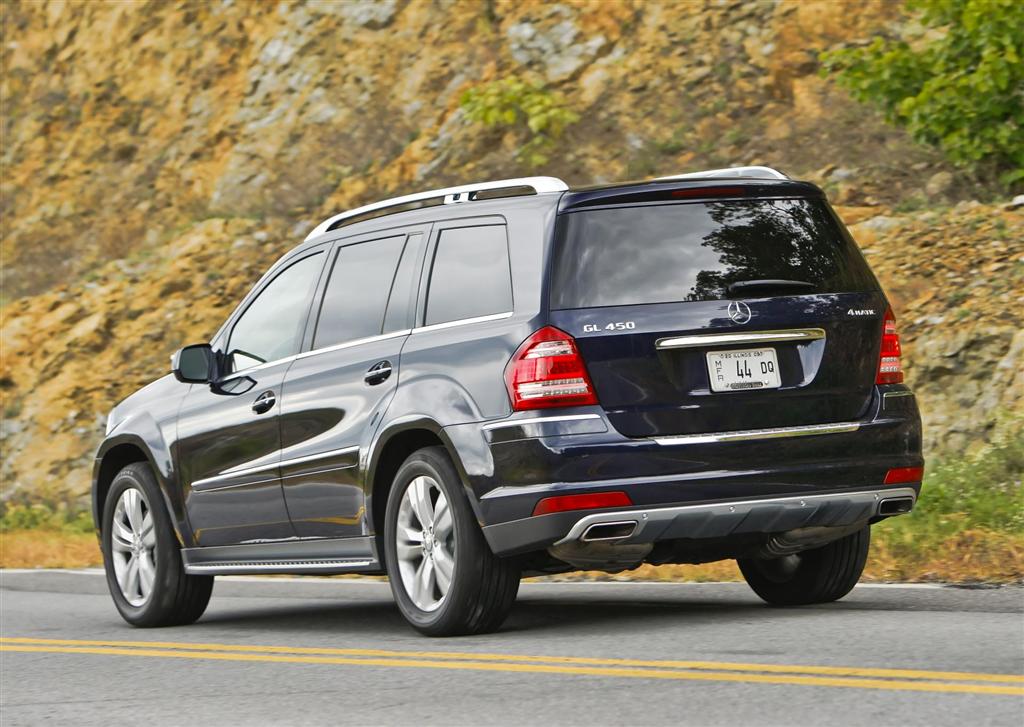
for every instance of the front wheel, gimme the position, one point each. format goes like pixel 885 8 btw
pixel 141 556
pixel 812 576
pixel 443 574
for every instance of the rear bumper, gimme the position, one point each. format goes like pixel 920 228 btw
pixel 684 487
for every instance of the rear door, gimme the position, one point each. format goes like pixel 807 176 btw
pixel 336 393
pixel 718 315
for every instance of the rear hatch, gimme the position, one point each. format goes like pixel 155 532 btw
pixel 716 306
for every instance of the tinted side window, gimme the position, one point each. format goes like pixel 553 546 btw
pixel 470 276
pixel 357 291
pixel 271 327
pixel 401 304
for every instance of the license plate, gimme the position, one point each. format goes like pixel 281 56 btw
pixel 751 368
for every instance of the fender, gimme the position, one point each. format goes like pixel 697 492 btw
pixel 424 423
pixel 141 431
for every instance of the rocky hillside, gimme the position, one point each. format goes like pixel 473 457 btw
pixel 157 156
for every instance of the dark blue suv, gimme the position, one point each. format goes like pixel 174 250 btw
pixel 463 386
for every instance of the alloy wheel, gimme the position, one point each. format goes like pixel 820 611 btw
pixel 425 543
pixel 133 547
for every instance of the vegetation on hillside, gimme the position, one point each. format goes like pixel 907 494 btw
pixel 515 103
pixel 959 86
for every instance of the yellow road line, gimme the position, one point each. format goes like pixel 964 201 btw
pixel 621 672
pixel 574 660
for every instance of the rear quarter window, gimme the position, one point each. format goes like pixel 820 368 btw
pixel 682 252
pixel 470 276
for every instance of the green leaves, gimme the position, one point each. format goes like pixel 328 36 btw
pixel 961 87
pixel 512 102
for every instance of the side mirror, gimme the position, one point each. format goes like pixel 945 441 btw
pixel 194 364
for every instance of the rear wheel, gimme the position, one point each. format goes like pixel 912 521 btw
pixel 141 556
pixel 812 576
pixel 443 574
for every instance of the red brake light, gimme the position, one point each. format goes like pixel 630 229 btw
pixel 890 370
pixel 904 474
pixel 548 371
pixel 708 192
pixel 590 501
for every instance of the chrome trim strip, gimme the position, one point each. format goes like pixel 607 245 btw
pixel 719 339
pixel 759 172
pixel 645 516
pixel 896 394
pixel 319 455
pixel 356 342
pixel 462 322
pixel 539 420
pixel 540 185
pixel 198 484
pixel 275 566
pixel 754 434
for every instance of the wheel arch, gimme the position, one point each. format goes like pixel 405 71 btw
pixel 114 455
pixel 390 449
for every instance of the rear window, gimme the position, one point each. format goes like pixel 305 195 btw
pixel 693 252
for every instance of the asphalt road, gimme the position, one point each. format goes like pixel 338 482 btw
pixel 330 651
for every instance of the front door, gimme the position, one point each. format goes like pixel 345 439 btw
pixel 229 436
pixel 335 394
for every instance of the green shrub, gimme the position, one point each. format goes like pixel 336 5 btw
pixel 44 517
pixel 979 492
pixel 515 103
pixel 959 87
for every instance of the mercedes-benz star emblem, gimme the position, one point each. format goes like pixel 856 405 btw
pixel 739 311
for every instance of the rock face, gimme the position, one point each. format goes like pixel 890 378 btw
pixel 158 157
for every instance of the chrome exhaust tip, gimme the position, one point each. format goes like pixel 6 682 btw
pixel 609 531
pixel 896 505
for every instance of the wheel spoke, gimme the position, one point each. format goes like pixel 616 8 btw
pixel 132 578
pixel 444 568
pixel 120 538
pixel 409 535
pixel 426 589
pixel 133 507
pixel 148 532
pixel 442 518
pixel 147 574
pixel 421 500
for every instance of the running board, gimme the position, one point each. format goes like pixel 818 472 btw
pixel 296 567
pixel 324 556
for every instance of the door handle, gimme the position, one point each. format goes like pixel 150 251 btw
pixel 378 373
pixel 264 402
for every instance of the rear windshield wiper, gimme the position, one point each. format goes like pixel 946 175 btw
pixel 747 286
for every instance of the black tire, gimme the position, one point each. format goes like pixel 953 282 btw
pixel 175 598
pixel 813 576
pixel 483 586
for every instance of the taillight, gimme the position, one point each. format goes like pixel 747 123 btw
pixel 589 501
pixel 548 371
pixel 890 370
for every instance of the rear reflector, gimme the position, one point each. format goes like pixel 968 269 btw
pixel 898 475
pixel 547 371
pixel 890 370
pixel 590 501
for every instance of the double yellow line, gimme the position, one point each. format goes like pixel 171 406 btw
pixel 819 676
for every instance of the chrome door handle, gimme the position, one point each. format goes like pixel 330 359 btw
pixel 378 373
pixel 264 402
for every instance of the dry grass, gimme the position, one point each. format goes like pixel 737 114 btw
pixel 48 549
pixel 972 556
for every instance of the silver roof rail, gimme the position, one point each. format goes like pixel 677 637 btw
pixel 451 195
pixel 756 172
